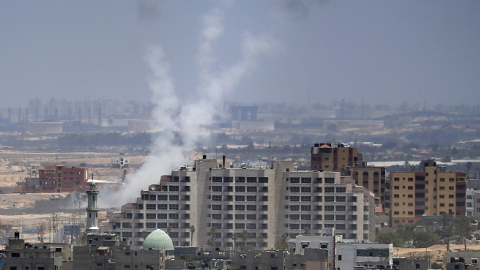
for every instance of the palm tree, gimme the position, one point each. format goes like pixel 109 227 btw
pixel 211 240
pixel 306 231
pixel 244 236
pixel 192 231
pixel 169 229
pixel 234 238
pixel 260 241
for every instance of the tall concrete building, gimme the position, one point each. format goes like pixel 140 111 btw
pixel 332 156
pixel 265 202
pixel 372 178
pixel 433 191
pixel 341 157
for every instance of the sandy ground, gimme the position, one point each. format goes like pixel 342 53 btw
pixel 437 253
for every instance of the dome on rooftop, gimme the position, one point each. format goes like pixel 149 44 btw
pixel 158 240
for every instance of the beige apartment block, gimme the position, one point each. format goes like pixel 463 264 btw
pixel 432 192
pixel 264 202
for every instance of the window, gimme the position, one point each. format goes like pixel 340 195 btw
pixel 341 198
pixel 216 207
pixel 294 180
pixel 216 179
pixel 240 179
pixel 329 189
pixel 262 179
pixel 239 216
pixel 151 216
pixel 306 217
pixel 173 188
pixel 329 217
pixel 306 207
pixel 216 216
pixel 341 189
pixel 294 189
pixel 163 197
pixel 329 208
pixel 162 216
pixel 173 216
pixel 474 260
pixel 217 188
pixel 239 189
pixel 251 207
pixel 251 179
pixel 329 198
pixel 306 180
pixel 173 206
pixel 239 207
pixel 251 189
pixel 294 207
pixel 216 198
pixel 329 180
pixel 306 198
pixel 251 198
pixel 239 198
pixel 341 208
pixel 173 197
pixel 340 217
pixel 306 189
pixel 294 198
pixel 151 206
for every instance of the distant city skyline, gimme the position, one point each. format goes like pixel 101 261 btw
pixel 383 52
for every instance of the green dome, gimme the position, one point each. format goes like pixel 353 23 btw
pixel 158 240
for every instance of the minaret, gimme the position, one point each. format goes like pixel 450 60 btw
pixel 92 209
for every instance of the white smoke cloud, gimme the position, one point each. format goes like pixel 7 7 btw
pixel 188 120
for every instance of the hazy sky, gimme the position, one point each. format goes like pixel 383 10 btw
pixel 383 51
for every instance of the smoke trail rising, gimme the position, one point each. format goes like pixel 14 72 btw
pixel 188 121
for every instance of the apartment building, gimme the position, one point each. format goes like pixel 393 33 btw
pixel 433 191
pixel 332 156
pixel 340 157
pixel 372 178
pixel 370 256
pixel 265 202
pixel 58 178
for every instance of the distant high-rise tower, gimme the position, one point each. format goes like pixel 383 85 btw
pixel 92 209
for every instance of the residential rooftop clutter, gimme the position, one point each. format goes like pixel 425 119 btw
pixel 210 204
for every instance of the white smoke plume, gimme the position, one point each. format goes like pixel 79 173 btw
pixel 184 123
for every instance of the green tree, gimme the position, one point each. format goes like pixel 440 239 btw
pixel 461 226
pixel 213 234
pixel 244 236
pixel 186 257
pixel 234 238
pixel 260 241
pixel 390 237
pixel 424 239
pixel 144 234
pixel 169 229
pixel 436 265
pixel 192 231
pixel 306 231
pixel 282 244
